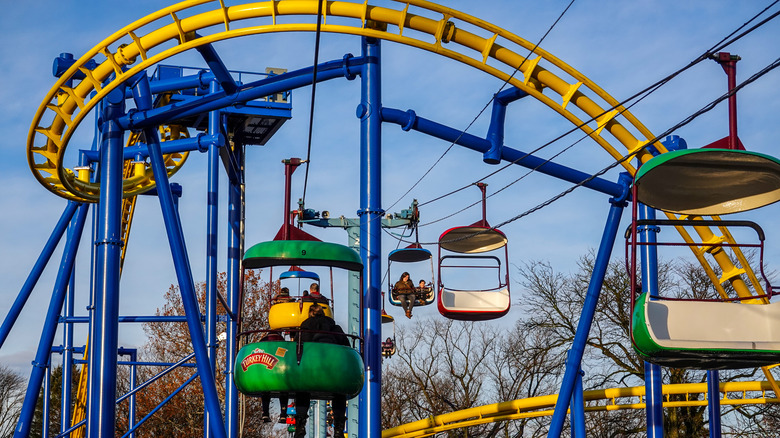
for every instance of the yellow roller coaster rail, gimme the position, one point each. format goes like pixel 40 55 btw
pixel 417 23
pixel 691 394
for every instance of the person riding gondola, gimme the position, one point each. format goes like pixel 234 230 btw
pixel 319 327
pixel 314 295
pixel 405 291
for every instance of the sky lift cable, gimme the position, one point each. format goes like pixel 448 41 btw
pixel 680 124
pixel 639 96
pixel 313 94
pixel 687 120
pixel 479 114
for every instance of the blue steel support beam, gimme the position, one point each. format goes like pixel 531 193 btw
pixel 574 359
pixel 217 68
pixel 235 252
pixel 181 263
pixel 713 402
pixel 101 412
pixel 497 120
pixel 578 408
pixel 35 273
pixel 42 354
pixel 212 240
pixel 409 120
pixel 67 355
pixel 370 214
pixel 654 410
pixel 347 67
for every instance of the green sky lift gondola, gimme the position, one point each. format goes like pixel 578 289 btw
pixel 277 366
pixel 695 333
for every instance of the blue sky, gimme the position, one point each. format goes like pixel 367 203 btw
pixel 621 46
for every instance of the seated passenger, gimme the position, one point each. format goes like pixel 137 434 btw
pixel 282 297
pixel 319 327
pixel 404 290
pixel 423 291
pixel 314 295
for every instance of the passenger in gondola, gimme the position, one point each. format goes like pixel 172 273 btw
pixel 405 291
pixel 314 295
pixel 265 398
pixel 423 291
pixel 319 327
pixel 282 297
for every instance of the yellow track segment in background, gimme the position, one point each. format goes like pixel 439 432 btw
pixel 732 393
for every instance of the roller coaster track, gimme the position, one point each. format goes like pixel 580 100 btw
pixel 434 28
pixel 675 396
pixel 416 23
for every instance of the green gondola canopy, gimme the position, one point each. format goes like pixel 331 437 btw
pixel 302 252
pixel 706 182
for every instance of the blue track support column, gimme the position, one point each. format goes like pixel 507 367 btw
pixel 186 284
pixel 212 234
pixel 654 410
pixel 67 353
pixel 574 359
pixel 101 412
pixel 713 402
pixel 370 236
pixel 235 252
pixel 43 352
pixel 353 232
pixel 35 273
pixel 578 408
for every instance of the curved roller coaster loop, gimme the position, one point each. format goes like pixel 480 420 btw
pixel 416 23
pixel 602 400
pixel 545 77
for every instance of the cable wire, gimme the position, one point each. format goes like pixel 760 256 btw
pixel 479 114
pixel 639 96
pixel 313 94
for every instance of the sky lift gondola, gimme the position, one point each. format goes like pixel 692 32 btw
pixel 413 259
pixel 293 313
pixel 476 246
pixel 706 334
pixel 276 367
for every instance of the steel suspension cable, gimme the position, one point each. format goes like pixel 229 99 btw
pixel 317 34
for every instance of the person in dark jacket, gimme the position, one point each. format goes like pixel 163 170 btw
pixel 319 327
pixel 405 291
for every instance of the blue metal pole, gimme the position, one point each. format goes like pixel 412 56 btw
pixel 101 413
pixel 574 359
pixel 46 404
pixel 49 328
pixel 409 120
pixel 212 220
pixel 67 354
pixel 133 381
pixel 370 235
pixel 713 402
pixel 35 273
pixel 235 252
pixel 181 263
pixel 578 408
pixel 649 268
pixel 353 412
pixel 186 283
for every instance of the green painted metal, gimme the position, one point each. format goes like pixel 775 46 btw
pixel 706 182
pixel 302 252
pixel 323 370
pixel 695 358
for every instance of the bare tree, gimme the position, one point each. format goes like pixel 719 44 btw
pixel 12 389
